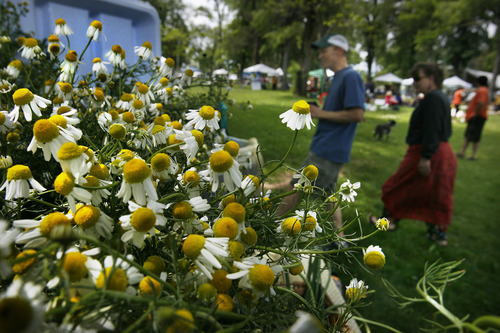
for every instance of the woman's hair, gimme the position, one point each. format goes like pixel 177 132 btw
pixel 429 69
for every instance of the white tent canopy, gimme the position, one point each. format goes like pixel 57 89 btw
pixel 279 71
pixel 261 68
pixel 220 71
pixel 455 81
pixel 407 82
pixel 389 77
pixel 477 73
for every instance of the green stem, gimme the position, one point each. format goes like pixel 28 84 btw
pixel 487 322
pixel 280 163
pixel 79 59
pixel 134 326
pixel 361 319
pixel 130 73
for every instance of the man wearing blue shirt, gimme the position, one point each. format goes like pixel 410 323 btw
pixel 342 110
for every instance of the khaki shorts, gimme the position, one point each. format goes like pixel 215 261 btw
pixel 328 172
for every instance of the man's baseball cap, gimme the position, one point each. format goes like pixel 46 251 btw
pixel 336 40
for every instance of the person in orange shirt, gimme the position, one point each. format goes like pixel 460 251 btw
pixel 457 99
pixel 476 117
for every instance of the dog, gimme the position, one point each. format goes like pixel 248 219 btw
pixel 383 129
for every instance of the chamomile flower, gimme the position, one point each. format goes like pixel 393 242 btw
pixel 94 30
pixel 159 135
pixel 373 257
pixel 54 46
pixel 65 184
pixel 117 274
pixel 27 101
pixel 205 117
pixel 137 182
pixel 237 212
pixel 144 94
pixel 68 66
pixel 191 141
pixel 17 185
pixel 187 77
pixel 309 222
pixel 98 99
pixel 347 190
pixel 298 116
pixel 125 102
pixel 7 238
pixel 162 166
pixel 356 290
pixel 37 231
pixel 6 123
pixel 69 113
pixel 142 222
pixel 155 109
pixel 73 161
pixel 382 224
pixel 64 90
pixel 14 68
pixel 203 252
pixel 250 184
pixel 164 94
pixel 99 67
pixel 115 55
pixel 48 136
pixel 223 164
pixel 255 274
pixel 65 124
pixel 23 307
pixel 98 195
pixel 30 49
pixel 5 161
pixel 62 29
pixel 306 176
pixel 161 85
pixel 290 227
pixel 145 51
pixel 167 67
pixel 5 86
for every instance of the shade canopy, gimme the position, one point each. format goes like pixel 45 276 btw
pixel 261 68
pixel 389 77
pixel 220 71
pixel 407 82
pixel 455 82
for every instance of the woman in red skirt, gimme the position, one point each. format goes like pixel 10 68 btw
pixel 422 187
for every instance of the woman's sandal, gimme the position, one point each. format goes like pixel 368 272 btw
pixel 392 224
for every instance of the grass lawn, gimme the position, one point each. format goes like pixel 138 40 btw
pixel 476 218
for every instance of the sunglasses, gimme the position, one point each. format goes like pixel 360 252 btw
pixel 417 78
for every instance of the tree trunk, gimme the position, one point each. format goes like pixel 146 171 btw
pixel 306 59
pixel 256 50
pixel 496 66
pixel 285 64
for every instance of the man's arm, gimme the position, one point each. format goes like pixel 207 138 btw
pixel 353 115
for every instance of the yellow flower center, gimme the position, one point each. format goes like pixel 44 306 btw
pixel 159 106
pixel 66 88
pixel 116 48
pixel 18 172
pixel 96 24
pixel 147 45
pixel 169 91
pixel 69 151
pixel 191 177
pixel 54 48
pixel 128 117
pixel 236 249
pixel 374 259
pixel 255 180
pixel 290 226
pixel 60 21
pixel 150 286
pixel 200 138
pixel 228 199
pixel 22 96
pixel 184 322
pixel 220 281
pixel 170 62
pixel 100 171
pixel 4 87
pixel 158 129
pixel 160 162
pixel 163 81
pixel 143 219
pixel 193 245
pixel 137 104
pixel 53 39
pixel 91 181
pixel 74 266
pixel 57 100
pixel 159 121
pixel 224 302
pixel 250 238
pixel 182 210
pixel 117 131
pixel 99 95
pixel 30 42
pixel 126 97
pixel 59 120
pixel 261 277
pixel 154 264
pixel 189 72
pixel 311 172
pixel 23 265
pixel 296 270
pixel 126 154
pixel 235 211
pixel 232 148
pixel 221 161
pixel 64 183
pixel 301 107
pixel 310 223
pixel 13 137
pixel 226 227
pixel 172 140
pixel 206 292
pixel 96 60
pixel 207 112
pixel 87 216
pixel 136 171
pixel 52 220
pixel 16 64
pixel 176 125
pixel 71 56
pixel 143 89
pixel 16 314
pixel 116 279
pixel 63 109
